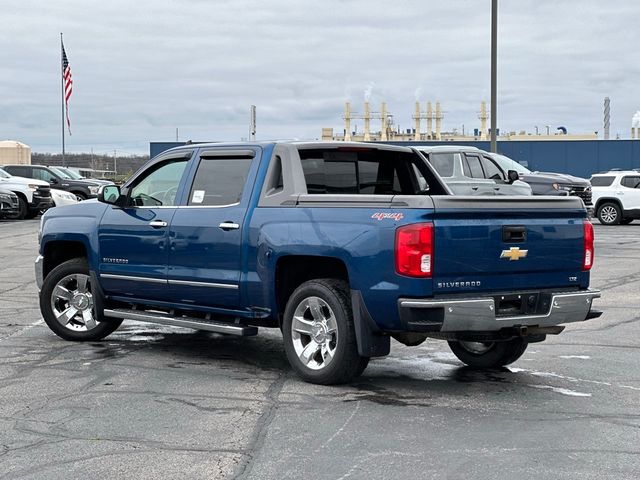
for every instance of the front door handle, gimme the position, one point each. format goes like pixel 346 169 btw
pixel 229 226
pixel 157 224
pixel 474 188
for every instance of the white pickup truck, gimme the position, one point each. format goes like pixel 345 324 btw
pixel 33 195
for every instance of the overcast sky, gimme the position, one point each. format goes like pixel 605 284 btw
pixel 141 68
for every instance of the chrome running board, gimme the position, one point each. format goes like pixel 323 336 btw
pixel 186 322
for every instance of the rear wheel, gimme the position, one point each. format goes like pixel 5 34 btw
pixel 67 303
pixel 319 335
pixel 609 214
pixel 489 354
pixel 80 196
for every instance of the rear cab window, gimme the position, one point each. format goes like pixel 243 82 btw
pixel 473 168
pixel 365 172
pixel 219 181
pixel 602 181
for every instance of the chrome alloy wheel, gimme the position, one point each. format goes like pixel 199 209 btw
pixel 72 303
pixel 477 348
pixel 314 332
pixel 608 214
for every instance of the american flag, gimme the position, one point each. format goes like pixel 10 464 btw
pixel 68 84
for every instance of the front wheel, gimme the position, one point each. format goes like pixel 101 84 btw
pixel 319 334
pixel 67 303
pixel 23 210
pixel 489 354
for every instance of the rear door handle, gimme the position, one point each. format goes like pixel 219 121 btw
pixel 474 188
pixel 229 226
pixel 157 224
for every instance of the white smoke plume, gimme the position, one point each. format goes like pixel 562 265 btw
pixel 417 94
pixel 367 91
pixel 635 120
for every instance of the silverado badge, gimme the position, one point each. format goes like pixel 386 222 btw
pixel 514 253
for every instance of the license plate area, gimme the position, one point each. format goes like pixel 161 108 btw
pixel 529 303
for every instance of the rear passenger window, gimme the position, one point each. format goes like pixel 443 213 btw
pixel 219 181
pixel 601 181
pixel 372 172
pixel 474 166
pixel 631 182
pixel 443 163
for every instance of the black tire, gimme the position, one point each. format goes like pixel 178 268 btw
pixel 81 196
pixel 609 213
pixel 345 363
pixel 32 214
pixel 73 331
pixel 626 221
pixel 497 354
pixel 23 210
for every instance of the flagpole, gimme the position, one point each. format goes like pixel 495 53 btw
pixel 64 163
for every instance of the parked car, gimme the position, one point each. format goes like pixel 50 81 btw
pixel 341 245
pixel 69 173
pixel 470 171
pixel 61 198
pixel 83 189
pixel 616 195
pixel 548 183
pixel 9 204
pixel 34 196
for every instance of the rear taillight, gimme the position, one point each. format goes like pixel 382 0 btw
pixel 587 261
pixel 414 250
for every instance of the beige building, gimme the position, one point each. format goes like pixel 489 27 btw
pixel 12 152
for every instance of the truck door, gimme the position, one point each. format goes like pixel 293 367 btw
pixel 205 254
pixel 133 240
pixel 497 176
pixel 472 168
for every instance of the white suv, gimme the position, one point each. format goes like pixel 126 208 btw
pixel 616 196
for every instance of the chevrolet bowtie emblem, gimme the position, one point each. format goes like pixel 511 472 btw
pixel 514 253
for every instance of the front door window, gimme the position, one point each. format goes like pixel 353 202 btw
pixel 159 188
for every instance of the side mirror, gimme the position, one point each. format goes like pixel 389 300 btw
pixel 109 194
pixel 512 175
pixel 53 181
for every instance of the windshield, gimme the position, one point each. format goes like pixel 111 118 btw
pixel 71 173
pixel 509 164
pixel 4 174
pixel 61 172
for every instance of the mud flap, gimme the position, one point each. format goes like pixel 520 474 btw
pixel 371 341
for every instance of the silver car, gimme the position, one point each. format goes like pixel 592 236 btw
pixel 471 171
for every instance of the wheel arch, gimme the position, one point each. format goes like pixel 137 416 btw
pixel 56 252
pixel 604 200
pixel 293 270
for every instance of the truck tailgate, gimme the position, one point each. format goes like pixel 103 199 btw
pixel 484 244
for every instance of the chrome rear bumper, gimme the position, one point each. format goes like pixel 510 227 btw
pixel 479 313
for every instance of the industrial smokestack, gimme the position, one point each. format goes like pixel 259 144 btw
pixel 383 117
pixel 483 120
pixel 438 121
pixel 607 117
pixel 429 121
pixel 252 127
pixel 417 119
pixel 635 126
pixel 347 122
pixel 367 122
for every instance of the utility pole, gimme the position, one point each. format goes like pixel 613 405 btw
pixel 115 164
pixel 176 134
pixel 494 74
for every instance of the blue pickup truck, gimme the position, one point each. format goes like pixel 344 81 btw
pixel 342 246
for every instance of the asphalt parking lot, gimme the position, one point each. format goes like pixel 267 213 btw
pixel 156 402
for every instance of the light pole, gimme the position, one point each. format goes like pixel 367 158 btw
pixel 494 71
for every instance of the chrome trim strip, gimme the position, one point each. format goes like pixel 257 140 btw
pixel 203 284
pixel 133 278
pixel 181 207
pixel 39 266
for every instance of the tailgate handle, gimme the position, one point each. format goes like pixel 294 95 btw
pixel 514 233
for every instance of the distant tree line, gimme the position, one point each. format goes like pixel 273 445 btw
pixel 125 165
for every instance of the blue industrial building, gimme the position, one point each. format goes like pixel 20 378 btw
pixel 576 157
